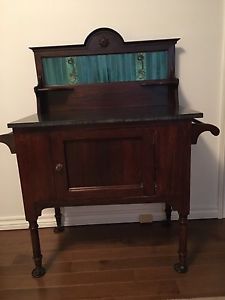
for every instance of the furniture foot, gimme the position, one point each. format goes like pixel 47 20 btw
pixel 58 216
pixel 58 229
pixel 168 211
pixel 181 266
pixel 37 256
pixel 178 267
pixel 38 272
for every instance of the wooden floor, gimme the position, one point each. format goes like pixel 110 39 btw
pixel 112 262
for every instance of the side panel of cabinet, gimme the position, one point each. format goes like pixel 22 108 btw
pixel 35 168
pixel 173 156
pixel 104 164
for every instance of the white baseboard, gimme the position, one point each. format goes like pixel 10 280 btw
pixel 103 215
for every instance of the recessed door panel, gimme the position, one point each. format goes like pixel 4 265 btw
pixel 104 164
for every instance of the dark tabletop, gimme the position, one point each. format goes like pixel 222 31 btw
pixel 107 116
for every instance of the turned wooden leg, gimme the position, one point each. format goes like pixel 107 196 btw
pixel 58 217
pixel 168 211
pixel 181 266
pixel 38 271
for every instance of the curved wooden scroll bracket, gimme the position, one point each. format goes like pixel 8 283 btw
pixel 8 139
pixel 199 127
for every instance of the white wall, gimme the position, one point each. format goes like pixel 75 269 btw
pixel 25 23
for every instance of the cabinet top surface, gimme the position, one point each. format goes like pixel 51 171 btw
pixel 104 117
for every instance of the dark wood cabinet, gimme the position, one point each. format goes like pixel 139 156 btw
pixel 108 130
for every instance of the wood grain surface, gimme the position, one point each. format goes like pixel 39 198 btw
pixel 114 262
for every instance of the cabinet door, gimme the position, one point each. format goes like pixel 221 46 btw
pixel 103 164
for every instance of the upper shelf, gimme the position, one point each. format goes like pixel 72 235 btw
pixel 107 72
pixel 54 88
pixel 144 83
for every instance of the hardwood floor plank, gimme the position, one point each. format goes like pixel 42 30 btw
pixel 66 279
pixel 162 288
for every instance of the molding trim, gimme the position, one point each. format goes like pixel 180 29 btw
pixel 103 215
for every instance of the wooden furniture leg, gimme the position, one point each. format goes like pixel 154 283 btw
pixel 58 217
pixel 38 271
pixel 168 211
pixel 181 266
